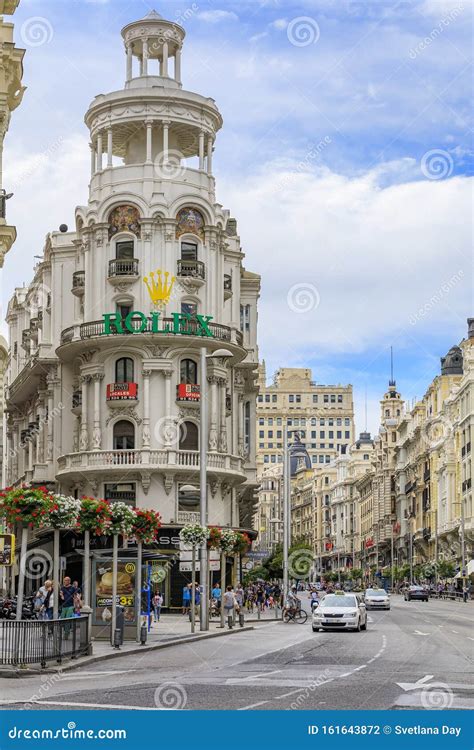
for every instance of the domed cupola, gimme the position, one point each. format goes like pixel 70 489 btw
pixel 299 457
pixel 153 42
pixel 452 363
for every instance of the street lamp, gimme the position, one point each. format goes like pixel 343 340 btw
pixel 204 356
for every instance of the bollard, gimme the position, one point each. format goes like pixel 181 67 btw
pixel 241 619
pixel 143 634
pixel 258 611
pixel 230 622
pixel 276 612
pixel 117 638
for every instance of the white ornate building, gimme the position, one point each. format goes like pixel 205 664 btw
pixel 103 379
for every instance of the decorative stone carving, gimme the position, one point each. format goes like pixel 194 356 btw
pixel 146 481
pixel 214 485
pixel 168 481
pixel 128 412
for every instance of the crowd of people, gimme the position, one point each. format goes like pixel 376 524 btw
pixel 69 601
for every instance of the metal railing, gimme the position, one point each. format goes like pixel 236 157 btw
pixel 40 641
pixel 191 268
pixel 190 327
pixel 123 267
pixel 78 279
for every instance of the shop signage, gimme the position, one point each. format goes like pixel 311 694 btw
pixel 121 391
pixel 178 324
pixel 328 546
pixel 187 392
pixel 7 549
pixel 369 543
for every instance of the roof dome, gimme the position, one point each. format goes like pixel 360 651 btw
pixel 299 457
pixel 452 363
pixel 152 15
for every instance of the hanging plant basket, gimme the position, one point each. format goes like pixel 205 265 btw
pixel 94 516
pixel 228 541
pixel 215 536
pixel 145 525
pixel 64 513
pixel 194 534
pixel 122 519
pixel 242 543
pixel 26 505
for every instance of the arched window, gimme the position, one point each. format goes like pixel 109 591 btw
pixel 188 437
pixel 124 435
pixel 189 251
pixel 124 370
pixel 188 372
pixel 124 250
pixel 387 412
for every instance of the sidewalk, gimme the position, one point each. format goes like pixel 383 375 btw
pixel 171 630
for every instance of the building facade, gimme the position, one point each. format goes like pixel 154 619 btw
pixel 104 385
pixel 11 94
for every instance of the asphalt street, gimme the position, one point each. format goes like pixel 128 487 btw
pixel 418 655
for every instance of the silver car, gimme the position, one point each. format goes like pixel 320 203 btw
pixel 341 611
pixel 376 599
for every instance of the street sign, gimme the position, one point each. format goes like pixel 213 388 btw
pixel 258 554
pixel 7 549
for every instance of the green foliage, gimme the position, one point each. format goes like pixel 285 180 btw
pixel 446 569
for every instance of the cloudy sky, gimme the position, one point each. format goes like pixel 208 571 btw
pixel 345 157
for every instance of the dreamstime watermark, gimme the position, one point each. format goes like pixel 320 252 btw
pixel 303 165
pixel 170 696
pixel 32 433
pixel 49 681
pixel 303 31
pixel 303 697
pixel 170 431
pixel 437 696
pixel 36 31
pixel 436 32
pixel 437 164
pixel 169 165
pixel 436 298
pixel 303 297
pixel 37 563
pixel 300 563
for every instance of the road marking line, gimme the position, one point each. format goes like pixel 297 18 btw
pixel 85 705
pixel 254 705
pixel 299 690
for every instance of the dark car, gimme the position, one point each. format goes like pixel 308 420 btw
pixel 416 593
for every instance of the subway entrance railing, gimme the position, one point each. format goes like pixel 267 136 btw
pixel 42 641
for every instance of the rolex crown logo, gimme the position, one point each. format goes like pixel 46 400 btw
pixel 159 286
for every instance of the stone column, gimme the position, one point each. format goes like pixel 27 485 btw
pixel 167 376
pixel 209 156
pixel 201 151
pixel 93 158
pixel 96 431
pixel 84 439
pixel 109 146
pixel 241 425
pixel 177 66
pixel 145 58
pixel 16 450
pixel 99 152
pixel 165 59
pixel 129 62
pixel 166 124
pixel 146 436
pixel 50 433
pixel 223 423
pixel 149 141
pixel 213 409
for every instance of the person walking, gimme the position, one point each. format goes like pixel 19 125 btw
pixel 239 596
pixel 38 602
pixel 217 595
pixel 465 592
pixel 66 598
pixel 48 604
pixel 229 602
pixel 186 598
pixel 157 603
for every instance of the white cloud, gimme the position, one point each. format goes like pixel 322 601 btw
pixel 216 16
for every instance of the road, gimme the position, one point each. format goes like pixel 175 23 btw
pixel 418 655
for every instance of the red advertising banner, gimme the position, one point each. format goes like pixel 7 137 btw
pixel 188 392
pixel 328 546
pixel 121 391
pixel 369 543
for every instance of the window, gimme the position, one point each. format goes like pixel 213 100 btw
pixel 245 320
pixel 339 398
pixel 326 398
pixel 260 399
pixel 347 421
pixel 266 459
pixel 189 251
pixel 261 433
pixel 280 458
pixel 270 421
pixel 331 434
pixel 189 308
pixel 322 434
pixel 314 459
pixel 321 459
pixel 339 435
pixel 261 445
pixel 339 422
pixel 291 399
pixel 270 433
pixel 322 422
pixel 279 421
pixel 274 398
pixel 124 309
pixel 273 459
pixel 296 422
pixel 347 434
pixel 247 426
pixel 124 435
pixel 333 399
pixel 123 492
pixel 313 433
pixel 124 250
pixel 124 370
pixel 188 437
pixel 322 446
pixel 188 372
pixel 298 399
pixel 267 398
pixel 270 445
pixel 279 434
pixel 261 421
pixel 387 412
pixel 366 456
pixel 315 398
pixel 331 422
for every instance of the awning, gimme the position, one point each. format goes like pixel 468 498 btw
pixel 469 570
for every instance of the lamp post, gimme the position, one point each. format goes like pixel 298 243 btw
pixel 203 437
pixel 286 510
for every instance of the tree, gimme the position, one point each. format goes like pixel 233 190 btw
pixel 446 569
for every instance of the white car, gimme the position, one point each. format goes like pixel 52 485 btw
pixel 376 599
pixel 341 611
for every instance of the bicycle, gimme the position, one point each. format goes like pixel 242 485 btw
pixel 299 616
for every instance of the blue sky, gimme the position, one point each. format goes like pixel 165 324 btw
pixel 346 157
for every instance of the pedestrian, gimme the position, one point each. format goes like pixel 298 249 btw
pixel 66 597
pixel 229 601
pixel 465 592
pixel 239 596
pixel 186 598
pixel 157 603
pixel 217 595
pixel 48 603
pixel 39 598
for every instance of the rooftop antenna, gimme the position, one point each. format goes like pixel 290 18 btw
pixel 392 381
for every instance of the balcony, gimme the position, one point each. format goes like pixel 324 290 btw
pixel 121 270
pixel 227 286
pixel 188 516
pixel 117 393
pixel 194 271
pixel 188 392
pixel 169 460
pixel 78 283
